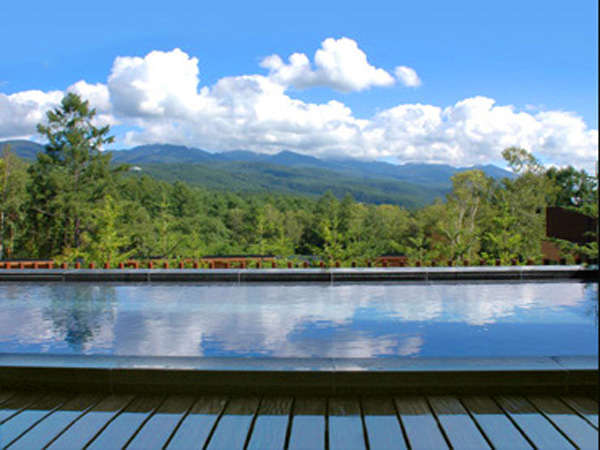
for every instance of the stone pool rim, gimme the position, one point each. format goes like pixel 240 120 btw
pixel 323 376
pixel 471 273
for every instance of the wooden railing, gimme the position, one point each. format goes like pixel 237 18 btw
pixel 241 262
pixel 27 264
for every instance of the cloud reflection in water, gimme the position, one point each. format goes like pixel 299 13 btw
pixel 299 320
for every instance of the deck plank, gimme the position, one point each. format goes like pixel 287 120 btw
pixel 579 432
pixel 77 435
pixel 234 425
pixel 121 429
pixel 20 423
pixel 345 424
pixel 421 427
pixel 501 432
pixel 537 428
pixel 54 423
pixel 308 424
pixel 383 428
pixel 456 422
pixel 587 407
pixel 17 403
pixel 158 429
pixel 271 424
pixel 198 424
pixel 32 420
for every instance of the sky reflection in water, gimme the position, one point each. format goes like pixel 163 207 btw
pixel 301 320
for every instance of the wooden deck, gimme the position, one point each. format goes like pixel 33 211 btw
pixel 58 420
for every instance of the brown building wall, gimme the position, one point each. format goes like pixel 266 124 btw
pixel 569 225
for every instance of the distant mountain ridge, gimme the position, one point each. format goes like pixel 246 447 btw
pixel 166 153
pixel 169 153
pixel 411 185
pixel 23 148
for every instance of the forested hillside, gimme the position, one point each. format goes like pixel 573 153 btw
pixel 408 185
pixel 253 177
pixel 72 202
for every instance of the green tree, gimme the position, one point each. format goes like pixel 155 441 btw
pixel 108 241
pixel 326 226
pixel 332 240
pixel 357 237
pixel 166 240
pixel 13 179
pixel 385 229
pixel 521 161
pixel 324 214
pixel 574 188
pixel 502 239
pixel 428 220
pixel 466 205
pixel 70 179
pixel 527 197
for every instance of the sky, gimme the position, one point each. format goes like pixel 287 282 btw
pixel 429 81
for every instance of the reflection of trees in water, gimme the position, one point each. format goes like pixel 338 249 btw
pixel 81 312
pixel 591 300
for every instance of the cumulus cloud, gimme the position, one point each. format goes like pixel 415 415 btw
pixel 340 65
pixel 476 130
pixel 99 98
pixel 97 94
pixel 21 112
pixel 160 98
pixel 407 76
pixel 160 84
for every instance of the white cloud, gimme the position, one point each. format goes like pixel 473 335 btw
pixel 560 131
pixel 159 96
pixel 476 130
pixel 160 84
pixel 21 112
pixel 407 76
pixel 97 94
pixel 340 65
pixel 99 98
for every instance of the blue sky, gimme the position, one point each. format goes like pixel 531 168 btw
pixel 532 56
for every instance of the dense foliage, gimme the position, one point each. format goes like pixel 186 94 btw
pixel 72 203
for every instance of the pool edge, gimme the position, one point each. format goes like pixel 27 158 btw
pixel 300 275
pixel 322 376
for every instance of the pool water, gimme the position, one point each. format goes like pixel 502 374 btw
pixel 301 320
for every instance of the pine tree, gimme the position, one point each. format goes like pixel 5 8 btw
pixel 69 180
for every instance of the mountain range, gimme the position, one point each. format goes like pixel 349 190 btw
pixel 410 185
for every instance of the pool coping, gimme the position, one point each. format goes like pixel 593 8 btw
pixel 310 275
pixel 323 376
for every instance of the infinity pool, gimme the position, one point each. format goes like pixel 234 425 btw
pixel 301 320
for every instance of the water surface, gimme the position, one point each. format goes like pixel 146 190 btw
pixel 300 320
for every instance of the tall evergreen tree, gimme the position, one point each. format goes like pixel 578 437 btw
pixel 69 179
